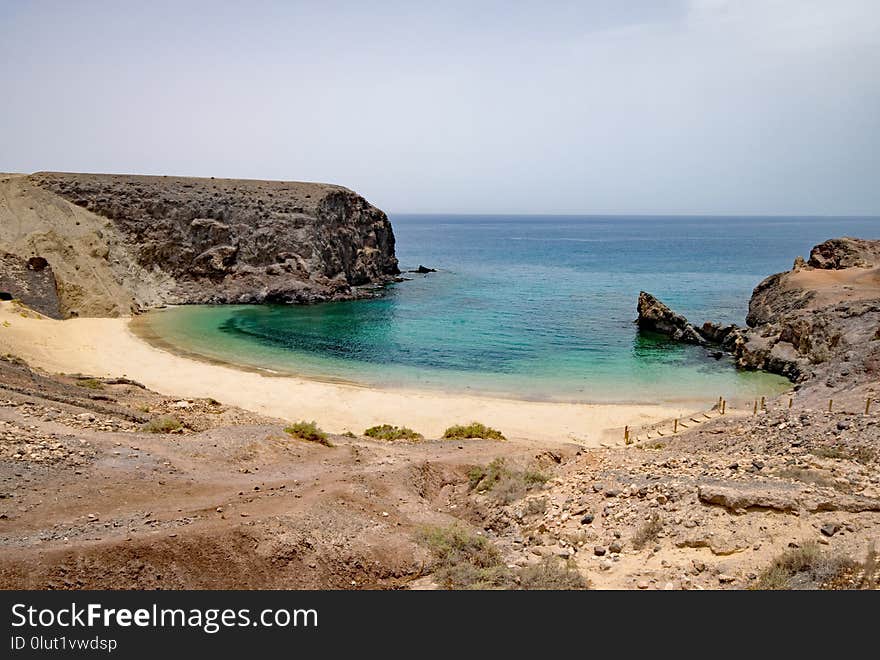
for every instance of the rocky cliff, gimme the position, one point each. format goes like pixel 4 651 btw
pixel 119 243
pixel 819 322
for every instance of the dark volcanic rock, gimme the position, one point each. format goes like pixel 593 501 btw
pixel 30 280
pixel 804 324
pixel 423 269
pixel 657 317
pixel 240 241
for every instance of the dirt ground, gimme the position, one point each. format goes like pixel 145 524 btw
pixel 89 500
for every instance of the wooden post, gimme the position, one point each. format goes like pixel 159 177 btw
pixel 626 434
pixel 723 405
pixel 830 404
pixel 763 406
pixel 868 406
pixel 675 426
pixel 755 409
pixel 790 401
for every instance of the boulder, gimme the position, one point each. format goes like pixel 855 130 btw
pixel 744 496
pixel 655 316
pixel 845 252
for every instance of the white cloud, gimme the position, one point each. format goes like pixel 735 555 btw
pixel 797 25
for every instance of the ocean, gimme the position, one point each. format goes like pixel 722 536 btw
pixel 527 306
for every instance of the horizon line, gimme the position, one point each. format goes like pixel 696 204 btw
pixel 829 216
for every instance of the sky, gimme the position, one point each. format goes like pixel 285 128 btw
pixel 631 107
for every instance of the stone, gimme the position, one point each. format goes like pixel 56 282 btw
pixel 615 547
pixel 599 551
pixel 829 529
pixel 655 316
pixel 742 496
pixel 587 519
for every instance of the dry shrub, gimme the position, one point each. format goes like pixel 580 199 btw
pixel 648 531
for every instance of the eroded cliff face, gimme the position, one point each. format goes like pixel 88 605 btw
pixel 819 322
pixel 31 281
pixel 238 241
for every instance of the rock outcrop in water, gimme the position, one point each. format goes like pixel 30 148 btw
pixel 655 316
pixel 819 322
pixel 119 243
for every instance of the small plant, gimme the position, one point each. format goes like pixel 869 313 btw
pixel 552 573
pixel 648 531
pixel 808 476
pixel 534 478
pixel 860 454
pixel 388 432
pixel 465 560
pixel 537 506
pixel 507 484
pixel 90 383
pixel 869 570
pixel 308 431
pixel 487 476
pixel 805 567
pixel 162 424
pixel 472 430
pixel 348 434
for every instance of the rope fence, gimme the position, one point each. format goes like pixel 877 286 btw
pixel 632 435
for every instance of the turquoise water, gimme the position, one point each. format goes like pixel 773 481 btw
pixel 534 307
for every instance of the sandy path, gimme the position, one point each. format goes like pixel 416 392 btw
pixel 106 347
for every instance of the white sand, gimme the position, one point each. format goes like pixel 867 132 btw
pixel 106 347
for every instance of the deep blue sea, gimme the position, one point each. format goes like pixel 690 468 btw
pixel 528 306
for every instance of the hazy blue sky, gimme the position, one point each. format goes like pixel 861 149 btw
pixel 650 106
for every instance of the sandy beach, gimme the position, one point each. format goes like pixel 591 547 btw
pixel 107 347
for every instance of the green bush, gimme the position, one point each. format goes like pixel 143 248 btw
pixel 308 431
pixel 472 430
pixel 465 560
pixel 90 383
pixel 162 424
pixel 505 483
pixel 806 567
pixel 388 432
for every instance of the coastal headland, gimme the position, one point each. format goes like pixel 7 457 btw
pixel 126 466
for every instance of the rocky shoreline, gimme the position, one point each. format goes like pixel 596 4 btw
pixel 819 321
